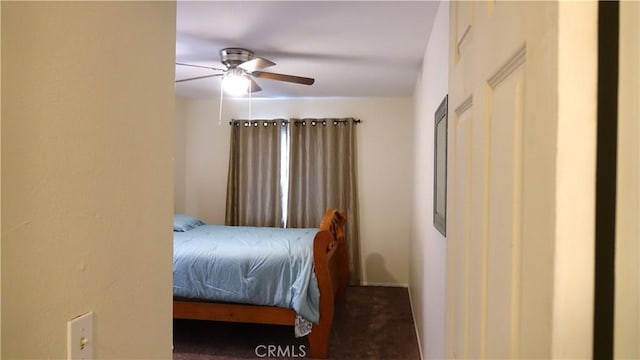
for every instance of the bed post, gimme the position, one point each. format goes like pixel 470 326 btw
pixel 320 333
pixel 330 256
pixel 343 259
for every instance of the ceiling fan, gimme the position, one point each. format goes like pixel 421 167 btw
pixel 241 69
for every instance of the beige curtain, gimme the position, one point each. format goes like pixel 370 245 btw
pixel 254 192
pixel 323 175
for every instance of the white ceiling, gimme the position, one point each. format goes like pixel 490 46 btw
pixel 351 48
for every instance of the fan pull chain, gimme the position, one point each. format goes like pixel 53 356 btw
pixel 250 96
pixel 220 107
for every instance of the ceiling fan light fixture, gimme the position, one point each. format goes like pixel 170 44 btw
pixel 241 69
pixel 236 83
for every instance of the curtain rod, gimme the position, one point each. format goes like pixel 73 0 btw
pixel 297 121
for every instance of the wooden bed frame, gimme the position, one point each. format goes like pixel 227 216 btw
pixel 332 272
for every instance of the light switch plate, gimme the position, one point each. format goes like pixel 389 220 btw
pixel 80 337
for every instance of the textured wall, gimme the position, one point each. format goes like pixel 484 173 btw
pixel 87 190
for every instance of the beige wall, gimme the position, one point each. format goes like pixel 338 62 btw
pixel 385 155
pixel 87 145
pixel 627 287
pixel 428 247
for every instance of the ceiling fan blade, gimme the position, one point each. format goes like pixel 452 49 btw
pixel 256 63
pixel 283 77
pixel 201 66
pixel 198 77
pixel 254 86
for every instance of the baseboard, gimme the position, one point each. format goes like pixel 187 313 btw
pixel 415 324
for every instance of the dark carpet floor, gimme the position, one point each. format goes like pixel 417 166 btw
pixel 372 323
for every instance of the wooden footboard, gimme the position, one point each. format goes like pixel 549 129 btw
pixel 332 272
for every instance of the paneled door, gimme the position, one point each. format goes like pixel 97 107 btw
pixel 505 218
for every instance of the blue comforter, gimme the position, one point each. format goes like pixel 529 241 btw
pixel 250 265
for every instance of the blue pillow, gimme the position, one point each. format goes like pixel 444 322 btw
pixel 182 222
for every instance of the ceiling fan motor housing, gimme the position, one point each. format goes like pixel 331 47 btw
pixel 232 57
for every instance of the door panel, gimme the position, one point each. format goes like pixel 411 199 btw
pixel 504 98
pixel 463 23
pixel 505 189
pixel 487 165
pixel 462 179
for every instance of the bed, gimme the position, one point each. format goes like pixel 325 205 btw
pixel 299 291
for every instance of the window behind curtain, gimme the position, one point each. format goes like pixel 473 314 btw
pixel 254 187
pixel 288 173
